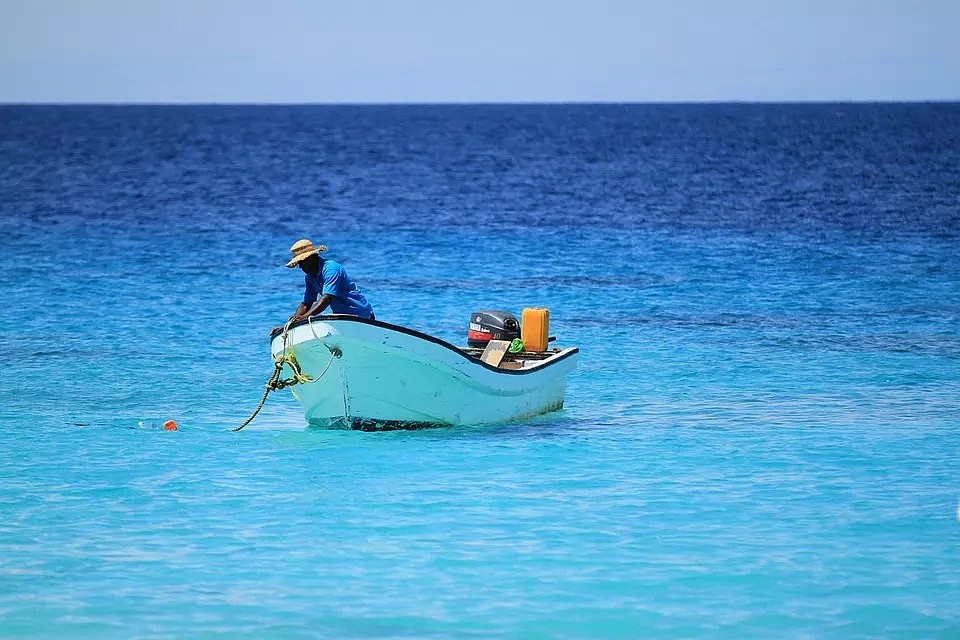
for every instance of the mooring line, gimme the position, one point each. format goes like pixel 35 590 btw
pixel 286 356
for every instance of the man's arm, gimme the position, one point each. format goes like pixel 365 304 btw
pixel 301 309
pixel 321 304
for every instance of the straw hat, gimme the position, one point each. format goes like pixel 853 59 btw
pixel 303 249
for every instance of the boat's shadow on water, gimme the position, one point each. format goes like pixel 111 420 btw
pixel 544 426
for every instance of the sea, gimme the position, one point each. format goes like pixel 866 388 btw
pixel 761 439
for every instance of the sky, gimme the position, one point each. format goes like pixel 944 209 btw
pixel 363 51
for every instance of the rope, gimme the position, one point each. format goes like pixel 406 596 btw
pixel 263 400
pixel 287 357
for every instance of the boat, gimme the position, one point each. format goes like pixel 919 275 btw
pixel 356 373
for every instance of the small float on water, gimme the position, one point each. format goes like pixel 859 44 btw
pixel 364 374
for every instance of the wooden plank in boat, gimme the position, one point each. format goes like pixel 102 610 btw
pixel 494 352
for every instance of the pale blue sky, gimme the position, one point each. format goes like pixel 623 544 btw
pixel 477 51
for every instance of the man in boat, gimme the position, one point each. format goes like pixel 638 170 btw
pixel 328 280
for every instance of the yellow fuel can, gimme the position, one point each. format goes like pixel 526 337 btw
pixel 535 328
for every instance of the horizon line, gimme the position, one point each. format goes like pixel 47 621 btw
pixel 137 103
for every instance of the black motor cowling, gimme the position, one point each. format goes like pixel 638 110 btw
pixel 491 325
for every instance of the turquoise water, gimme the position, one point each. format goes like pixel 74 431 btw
pixel 761 439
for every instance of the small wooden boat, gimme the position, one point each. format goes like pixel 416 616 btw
pixel 371 375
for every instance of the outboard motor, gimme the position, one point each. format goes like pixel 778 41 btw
pixel 491 325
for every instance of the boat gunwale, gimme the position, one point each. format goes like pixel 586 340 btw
pixel 542 365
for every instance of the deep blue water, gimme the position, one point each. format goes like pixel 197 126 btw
pixel 761 440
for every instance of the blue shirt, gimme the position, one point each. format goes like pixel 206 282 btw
pixel 333 279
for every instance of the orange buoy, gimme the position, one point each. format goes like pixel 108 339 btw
pixel 170 425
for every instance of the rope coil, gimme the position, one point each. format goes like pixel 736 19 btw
pixel 287 357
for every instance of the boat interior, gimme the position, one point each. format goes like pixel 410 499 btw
pixel 497 354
